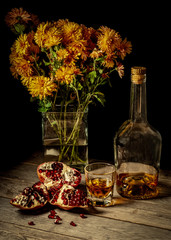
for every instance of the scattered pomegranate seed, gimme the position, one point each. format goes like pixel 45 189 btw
pixel 57 221
pixel 53 212
pixel 73 224
pixel 83 216
pixel 31 223
pixel 58 218
pixel 51 216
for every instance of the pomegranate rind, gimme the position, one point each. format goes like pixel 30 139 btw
pixel 28 201
pixel 49 174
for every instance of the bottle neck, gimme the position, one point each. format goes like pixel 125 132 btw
pixel 138 105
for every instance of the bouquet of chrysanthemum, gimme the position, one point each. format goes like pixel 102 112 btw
pixel 63 62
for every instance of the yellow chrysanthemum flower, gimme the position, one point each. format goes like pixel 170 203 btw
pixel 78 49
pixel 71 32
pixel 66 74
pixel 13 55
pixel 62 53
pixel 42 87
pixel 22 44
pixel 26 81
pixel 47 35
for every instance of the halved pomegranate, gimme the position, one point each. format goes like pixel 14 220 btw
pixel 51 173
pixel 32 197
pixel 67 197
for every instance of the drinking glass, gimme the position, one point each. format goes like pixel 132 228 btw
pixel 100 178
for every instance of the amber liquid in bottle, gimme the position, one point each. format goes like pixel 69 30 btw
pixel 137 146
pixel 140 185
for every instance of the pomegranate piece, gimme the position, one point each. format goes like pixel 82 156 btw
pixel 73 224
pixel 31 223
pixel 83 216
pixel 53 212
pixel 57 221
pixel 31 198
pixel 51 216
pixel 51 173
pixel 68 197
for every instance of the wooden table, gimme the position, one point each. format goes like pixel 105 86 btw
pixel 127 219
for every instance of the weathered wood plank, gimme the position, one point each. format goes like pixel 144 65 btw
pixel 9 188
pixel 155 212
pixel 10 231
pixel 136 213
pixel 22 171
pixel 93 227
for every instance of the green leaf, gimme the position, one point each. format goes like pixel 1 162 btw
pixel 53 53
pixel 79 86
pixel 48 104
pixel 100 97
pixel 100 71
pixel 19 28
pixel 46 63
pixel 42 109
pixel 92 75
pixel 44 105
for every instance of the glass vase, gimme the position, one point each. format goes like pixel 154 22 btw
pixel 65 137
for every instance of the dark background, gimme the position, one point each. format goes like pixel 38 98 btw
pixel 146 25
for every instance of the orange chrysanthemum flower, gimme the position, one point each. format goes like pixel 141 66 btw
pixel 23 67
pixel 120 70
pixel 125 48
pixel 108 61
pixel 42 87
pixel 16 15
pixel 14 71
pixel 34 48
pixel 96 53
pixel 108 39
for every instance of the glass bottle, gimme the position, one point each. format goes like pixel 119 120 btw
pixel 137 146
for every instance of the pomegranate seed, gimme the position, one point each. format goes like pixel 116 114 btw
pixel 58 218
pixel 83 216
pixel 31 223
pixel 57 221
pixel 51 216
pixel 65 201
pixel 53 212
pixel 73 224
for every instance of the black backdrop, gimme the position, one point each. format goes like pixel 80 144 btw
pixel 145 25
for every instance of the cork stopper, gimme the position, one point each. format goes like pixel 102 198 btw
pixel 138 75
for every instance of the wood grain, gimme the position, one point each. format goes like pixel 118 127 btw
pixel 126 219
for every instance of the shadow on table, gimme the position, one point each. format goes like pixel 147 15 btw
pixel 164 189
